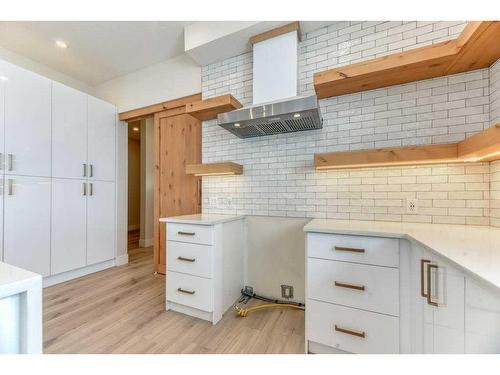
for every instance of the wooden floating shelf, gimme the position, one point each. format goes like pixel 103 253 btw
pixel 214 169
pixel 484 146
pixel 477 47
pixel 208 109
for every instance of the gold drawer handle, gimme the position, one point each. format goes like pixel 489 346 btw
pixel 349 332
pixel 186 233
pixel 185 291
pixel 187 259
pixel 350 286
pixel 350 249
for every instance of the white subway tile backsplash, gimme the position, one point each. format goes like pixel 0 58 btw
pixel 279 178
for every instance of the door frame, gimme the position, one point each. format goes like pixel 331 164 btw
pixel 160 110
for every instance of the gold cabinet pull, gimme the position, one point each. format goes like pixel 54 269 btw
pixel 422 278
pixel 350 249
pixel 430 266
pixel 185 291
pixel 350 332
pixel 186 233
pixel 186 259
pixel 349 286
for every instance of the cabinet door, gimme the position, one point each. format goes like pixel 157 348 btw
pixel 69 132
pixel 2 191
pixel 101 139
pixel 69 226
pixel 100 221
pixel 27 123
pixel 448 299
pixel 422 317
pixel 482 323
pixel 3 78
pixel 27 223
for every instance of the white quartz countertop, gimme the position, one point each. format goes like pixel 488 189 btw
pixel 476 249
pixel 201 219
pixel 14 280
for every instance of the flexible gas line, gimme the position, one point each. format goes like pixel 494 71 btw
pixel 244 312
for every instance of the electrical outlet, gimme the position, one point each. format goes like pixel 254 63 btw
pixel 287 291
pixel 224 202
pixel 412 206
pixel 213 202
pixel 221 202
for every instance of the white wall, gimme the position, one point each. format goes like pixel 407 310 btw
pixel 147 181
pixel 275 255
pixel 44 70
pixel 121 192
pixel 170 79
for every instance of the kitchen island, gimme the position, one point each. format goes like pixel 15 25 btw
pixel 20 311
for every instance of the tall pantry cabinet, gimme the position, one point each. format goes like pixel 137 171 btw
pixel 26 166
pixel 58 169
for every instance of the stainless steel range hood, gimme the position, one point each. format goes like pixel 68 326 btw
pixel 276 107
pixel 292 115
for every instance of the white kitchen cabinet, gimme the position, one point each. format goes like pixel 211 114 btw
pixel 438 298
pixel 101 140
pixel 205 264
pixel 100 221
pixel 352 291
pixel 27 123
pixel 54 143
pixel 27 223
pixel 69 132
pixel 69 226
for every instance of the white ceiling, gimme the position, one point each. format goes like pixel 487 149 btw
pixel 98 51
pixel 101 50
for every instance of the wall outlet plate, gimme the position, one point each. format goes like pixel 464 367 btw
pixel 224 202
pixel 412 206
pixel 213 202
pixel 287 291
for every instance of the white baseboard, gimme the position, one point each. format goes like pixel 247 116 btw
pixel 134 227
pixel 147 242
pixel 191 311
pixel 121 260
pixel 74 274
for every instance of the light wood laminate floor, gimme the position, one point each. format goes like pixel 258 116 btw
pixel 121 310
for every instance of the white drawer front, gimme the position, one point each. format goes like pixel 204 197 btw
pixel 381 332
pixel 193 233
pixel 357 285
pixel 190 258
pixel 190 290
pixel 359 249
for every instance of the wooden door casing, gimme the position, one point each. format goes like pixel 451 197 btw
pixel 177 143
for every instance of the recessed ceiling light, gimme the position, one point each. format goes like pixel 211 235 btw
pixel 237 125
pixel 296 115
pixel 136 129
pixel 61 44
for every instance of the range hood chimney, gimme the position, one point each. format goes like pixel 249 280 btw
pixel 276 107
